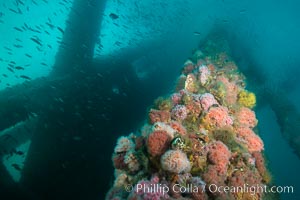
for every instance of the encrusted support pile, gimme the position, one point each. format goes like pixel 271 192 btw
pixel 202 134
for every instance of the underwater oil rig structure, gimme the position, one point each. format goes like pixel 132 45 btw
pixel 51 111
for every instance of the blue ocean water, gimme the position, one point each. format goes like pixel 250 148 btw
pixel 283 163
pixel 138 42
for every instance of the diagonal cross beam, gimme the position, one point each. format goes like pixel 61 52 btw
pixel 40 96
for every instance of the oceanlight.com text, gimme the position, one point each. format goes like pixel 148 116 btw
pixel 211 188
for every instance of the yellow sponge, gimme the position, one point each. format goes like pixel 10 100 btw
pixel 247 99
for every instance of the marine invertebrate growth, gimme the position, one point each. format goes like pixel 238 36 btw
pixel 163 104
pixel 124 144
pixel 179 112
pixel 190 83
pixel 218 153
pixel 132 161
pixel 159 116
pixel 178 127
pixel 201 134
pixel 188 67
pixel 246 117
pixel 149 190
pixel 219 156
pixel 176 98
pixel 160 126
pixel 204 74
pixel 217 117
pixel 250 139
pixel 231 90
pixel 158 142
pixel 207 100
pixel 175 161
pixel 247 99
